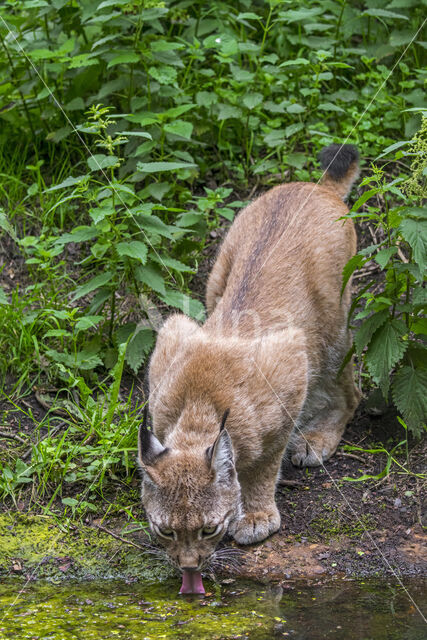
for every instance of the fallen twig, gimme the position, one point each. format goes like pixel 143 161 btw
pixel 117 537
pixel 344 454
pixel 290 483
pixel 401 254
pixel 42 402
pixel 12 436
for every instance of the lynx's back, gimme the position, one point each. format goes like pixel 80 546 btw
pixel 259 377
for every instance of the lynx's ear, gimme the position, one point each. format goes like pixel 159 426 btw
pixel 149 447
pixel 220 455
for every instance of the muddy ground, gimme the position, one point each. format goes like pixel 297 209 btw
pixel 330 525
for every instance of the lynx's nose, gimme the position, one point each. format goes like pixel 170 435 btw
pixel 189 563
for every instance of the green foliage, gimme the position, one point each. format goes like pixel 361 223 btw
pixel 392 336
pixel 96 442
pixel 394 463
pixel 130 130
pixel 123 109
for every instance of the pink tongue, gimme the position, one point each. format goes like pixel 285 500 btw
pixel 192 582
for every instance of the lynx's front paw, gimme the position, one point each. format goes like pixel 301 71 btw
pixel 255 526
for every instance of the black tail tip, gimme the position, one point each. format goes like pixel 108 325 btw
pixel 337 159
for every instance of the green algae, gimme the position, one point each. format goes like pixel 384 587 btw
pixel 102 610
pixel 328 526
pixel 38 546
pixel 114 610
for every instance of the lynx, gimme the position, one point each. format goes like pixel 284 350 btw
pixel 259 378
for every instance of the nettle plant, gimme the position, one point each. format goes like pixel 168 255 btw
pixel 391 337
pixel 122 247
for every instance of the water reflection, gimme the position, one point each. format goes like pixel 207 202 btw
pixel 340 609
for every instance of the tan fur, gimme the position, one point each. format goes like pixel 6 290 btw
pixel 270 351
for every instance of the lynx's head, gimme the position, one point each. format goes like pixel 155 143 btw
pixel 190 497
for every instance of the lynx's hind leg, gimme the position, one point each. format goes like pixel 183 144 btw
pixel 318 431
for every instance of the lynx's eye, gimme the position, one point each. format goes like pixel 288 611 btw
pixel 164 532
pixel 210 532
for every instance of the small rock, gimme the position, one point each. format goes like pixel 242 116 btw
pixel 397 503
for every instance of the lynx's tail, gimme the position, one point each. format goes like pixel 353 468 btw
pixel 340 162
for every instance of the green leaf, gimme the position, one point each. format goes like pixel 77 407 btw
pixel 252 100
pixel 364 334
pixel 100 213
pixel 293 128
pixel 385 350
pixel 415 233
pixel 139 347
pixel 68 182
pixel 187 305
pixel 297 160
pixel 163 74
pixel 174 112
pixel 125 331
pixel 94 283
pixel 329 106
pixel 6 226
pixel 82 60
pixel 158 190
pixel 157 167
pixel 393 147
pixel 155 225
pixel 124 58
pixel 383 256
pixel 179 128
pixel 227 213
pixel 101 161
pixel 354 263
pixel 409 391
pixel 363 198
pixel 300 15
pixel 79 234
pixel 228 111
pixel 295 108
pixel 87 322
pixel 248 15
pixel 189 218
pixel 384 13
pixel 70 502
pixel 137 134
pixel 133 249
pixel 414 212
pixel 3 297
pixel 296 62
pixel 171 263
pixel 419 299
pixel 150 276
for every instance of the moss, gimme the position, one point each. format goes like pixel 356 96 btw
pixel 131 612
pixel 328 526
pixel 37 545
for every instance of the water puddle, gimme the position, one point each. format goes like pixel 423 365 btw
pixel 340 609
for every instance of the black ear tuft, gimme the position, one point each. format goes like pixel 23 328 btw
pixel 149 447
pixel 224 419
